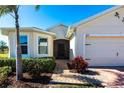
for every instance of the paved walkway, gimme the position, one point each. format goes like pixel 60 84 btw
pixel 63 75
pixel 67 78
pixel 61 65
pixel 113 78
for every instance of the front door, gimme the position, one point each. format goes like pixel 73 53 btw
pixel 61 49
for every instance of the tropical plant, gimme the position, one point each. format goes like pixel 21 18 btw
pixel 79 64
pixel 3 47
pixel 13 10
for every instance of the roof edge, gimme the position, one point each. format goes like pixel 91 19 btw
pixel 33 28
pixel 56 26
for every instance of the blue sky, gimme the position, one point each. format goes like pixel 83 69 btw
pixel 51 15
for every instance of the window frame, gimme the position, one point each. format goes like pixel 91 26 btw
pixel 40 37
pixel 24 45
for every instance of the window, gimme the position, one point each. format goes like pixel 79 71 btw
pixel 42 45
pixel 24 44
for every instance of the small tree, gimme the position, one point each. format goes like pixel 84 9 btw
pixel 13 11
pixel 3 47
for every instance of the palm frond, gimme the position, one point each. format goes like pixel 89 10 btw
pixel 37 7
pixel 6 9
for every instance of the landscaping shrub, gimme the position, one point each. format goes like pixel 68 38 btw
pixel 39 65
pixel 8 62
pixel 4 72
pixel 79 64
pixel 32 65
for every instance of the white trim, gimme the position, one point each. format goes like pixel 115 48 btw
pixel 29 29
pixel 104 34
pixel 57 25
pixel 44 31
pixel 84 37
pixel 42 55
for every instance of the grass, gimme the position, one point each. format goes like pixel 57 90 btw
pixel 76 86
pixel 3 55
pixel 73 86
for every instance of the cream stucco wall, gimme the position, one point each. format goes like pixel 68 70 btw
pixel 106 24
pixel 35 45
pixel 12 43
pixel 60 31
pixel 32 43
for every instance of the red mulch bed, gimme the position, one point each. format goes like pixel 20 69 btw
pixel 28 82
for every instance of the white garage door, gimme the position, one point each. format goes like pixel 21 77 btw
pixel 105 50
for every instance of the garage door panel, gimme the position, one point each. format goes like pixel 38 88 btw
pixel 100 50
pixel 105 52
pixel 106 61
pixel 102 61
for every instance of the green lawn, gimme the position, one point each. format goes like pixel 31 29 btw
pixel 72 86
pixel 3 55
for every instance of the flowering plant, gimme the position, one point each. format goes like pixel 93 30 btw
pixel 79 64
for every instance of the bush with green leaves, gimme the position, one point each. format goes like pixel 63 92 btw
pixel 32 65
pixel 8 62
pixel 4 72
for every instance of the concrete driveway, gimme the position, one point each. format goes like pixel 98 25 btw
pixel 106 76
pixel 110 77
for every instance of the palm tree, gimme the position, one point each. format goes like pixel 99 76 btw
pixel 12 10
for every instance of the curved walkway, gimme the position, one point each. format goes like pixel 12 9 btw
pixel 112 77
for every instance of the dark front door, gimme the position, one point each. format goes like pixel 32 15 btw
pixel 61 49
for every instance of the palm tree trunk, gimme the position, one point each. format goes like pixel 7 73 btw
pixel 19 74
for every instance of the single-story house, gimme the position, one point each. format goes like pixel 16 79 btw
pixel 98 39
pixel 36 42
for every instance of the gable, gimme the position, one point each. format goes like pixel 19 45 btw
pixel 96 16
pixel 60 31
pixel 108 19
pixel 107 23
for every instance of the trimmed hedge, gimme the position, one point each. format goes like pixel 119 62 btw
pixel 8 62
pixel 42 65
